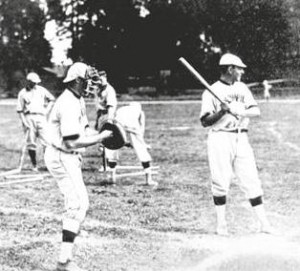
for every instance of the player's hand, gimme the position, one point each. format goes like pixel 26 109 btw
pixel 225 107
pixel 26 126
pixel 110 121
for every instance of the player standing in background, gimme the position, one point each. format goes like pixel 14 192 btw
pixel 33 105
pixel 229 151
pixel 70 134
pixel 267 87
pixel 105 101
pixel 132 118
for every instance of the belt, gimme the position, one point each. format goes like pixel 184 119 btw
pixel 29 113
pixel 235 131
pixel 64 151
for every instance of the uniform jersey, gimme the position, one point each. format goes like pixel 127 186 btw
pixel 67 119
pixel 237 92
pixel 33 101
pixel 106 98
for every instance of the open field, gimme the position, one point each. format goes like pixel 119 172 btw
pixel 131 227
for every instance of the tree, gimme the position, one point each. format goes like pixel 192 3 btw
pixel 23 47
pixel 113 35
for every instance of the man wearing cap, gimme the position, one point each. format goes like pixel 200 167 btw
pixel 33 105
pixel 105 99
pixel 229 152
pixel 70 134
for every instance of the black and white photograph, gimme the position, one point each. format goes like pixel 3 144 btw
pixel 149 135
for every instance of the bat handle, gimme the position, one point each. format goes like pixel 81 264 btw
pixel 223 104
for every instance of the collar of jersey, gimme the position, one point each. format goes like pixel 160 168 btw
pixel 75 94
pixel 225 83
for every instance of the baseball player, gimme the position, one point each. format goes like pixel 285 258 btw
pixel 229 151
pixel 132 118
pixel 33 105
pixel 105 101
pixel 267 86
pixel 69 135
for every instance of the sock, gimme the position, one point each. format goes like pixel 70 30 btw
pixel 111 164
pixel 146 165
pixel 32 155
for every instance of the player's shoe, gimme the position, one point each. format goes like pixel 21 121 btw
pixel 222 230
pixel 148 175
pixel 35 169
pixel 68 266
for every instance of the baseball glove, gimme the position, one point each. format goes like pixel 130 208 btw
pixel 118 138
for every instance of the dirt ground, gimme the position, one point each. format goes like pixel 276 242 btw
pixel 131 227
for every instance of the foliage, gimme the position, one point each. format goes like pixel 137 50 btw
pixel 23 46
pixel 112 35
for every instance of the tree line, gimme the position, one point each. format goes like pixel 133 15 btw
pixel 139 38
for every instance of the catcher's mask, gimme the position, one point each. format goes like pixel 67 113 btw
pixel 95 82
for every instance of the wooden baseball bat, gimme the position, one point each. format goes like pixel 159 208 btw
pixel 198 76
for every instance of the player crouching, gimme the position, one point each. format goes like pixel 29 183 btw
pixel 132 119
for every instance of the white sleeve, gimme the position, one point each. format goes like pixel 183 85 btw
pixel 70 121
pixel 249 99
pixel 20 103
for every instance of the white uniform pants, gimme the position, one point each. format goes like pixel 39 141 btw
pixel 229 155
pixel 38 127
pixel 138 145
pixel 66 169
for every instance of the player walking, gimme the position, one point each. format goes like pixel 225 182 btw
pixel 132 118
pixel 70 134
pixel 229 151
pixel 33 105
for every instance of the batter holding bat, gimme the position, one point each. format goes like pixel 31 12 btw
pixel 229 151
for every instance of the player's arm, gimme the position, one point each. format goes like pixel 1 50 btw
pixel 111 103
pixel 111 110
pixel 24 120
pixel 20 111
pixel 248 108
pixel 209 119
pixel 76 141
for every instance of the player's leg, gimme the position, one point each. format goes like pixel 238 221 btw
pixel 66 169
pixel 246 172
pixel 140 148
pixel 112 157
pixel 31 142
pixel 220 162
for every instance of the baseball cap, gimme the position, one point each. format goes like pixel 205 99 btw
pixel 77 70
pixel 230 59
pixel 33 77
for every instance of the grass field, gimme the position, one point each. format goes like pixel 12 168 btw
pixel 131 227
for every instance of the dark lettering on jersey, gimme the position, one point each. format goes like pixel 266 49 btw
pixel 235 97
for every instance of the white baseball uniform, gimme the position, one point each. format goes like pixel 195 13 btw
pixel 105 99
pixel 229 151
pixel 33 104
pixel 68 120
pixel 132 118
